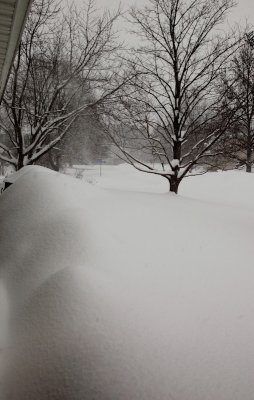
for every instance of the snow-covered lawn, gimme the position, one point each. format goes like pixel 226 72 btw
pixel 228 188
pixel 122 291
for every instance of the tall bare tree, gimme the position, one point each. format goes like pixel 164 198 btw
pixel 64 65
pixel 172 107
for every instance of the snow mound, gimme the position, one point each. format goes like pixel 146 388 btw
pixel 125 295
pixel 33 170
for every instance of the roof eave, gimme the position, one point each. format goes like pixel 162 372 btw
pixel 20 14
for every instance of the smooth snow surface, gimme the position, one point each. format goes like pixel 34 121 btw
pixel 121 291
pixel 13 176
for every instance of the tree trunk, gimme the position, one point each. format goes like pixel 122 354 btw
pixel 249 159
pixel 173 184
pixel 20 163
pixel 249 151
pixel 248 168
pixel 54 162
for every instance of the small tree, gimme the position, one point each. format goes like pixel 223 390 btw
pixel 172 107
pixel 64 66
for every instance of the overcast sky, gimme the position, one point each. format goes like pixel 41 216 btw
pixel 243 11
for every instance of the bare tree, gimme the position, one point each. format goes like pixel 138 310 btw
pixel 172 107
pixel 64 65
pixel 238 146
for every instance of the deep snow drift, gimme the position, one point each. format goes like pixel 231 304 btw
pixel 124 295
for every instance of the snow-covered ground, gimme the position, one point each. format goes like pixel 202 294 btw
pixel 228 188
pixel 121 291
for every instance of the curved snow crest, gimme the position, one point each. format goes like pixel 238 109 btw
pixel 44 227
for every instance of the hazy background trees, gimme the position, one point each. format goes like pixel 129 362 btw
pixel 85 143
pixel 238 79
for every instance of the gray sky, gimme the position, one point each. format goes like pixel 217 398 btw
pixel 243 11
